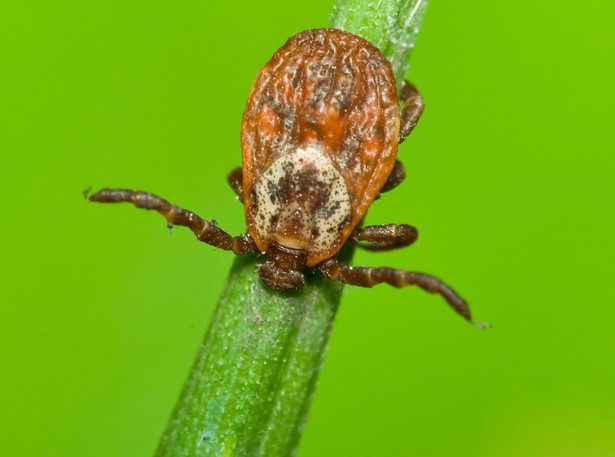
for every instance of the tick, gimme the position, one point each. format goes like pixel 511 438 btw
pixel 319 139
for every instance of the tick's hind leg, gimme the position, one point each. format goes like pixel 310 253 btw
pixel 205 231
pixel 413 106
pixel 385 237
pixel 369 277
pixel 235 180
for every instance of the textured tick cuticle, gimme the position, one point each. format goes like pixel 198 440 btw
pixel 328 98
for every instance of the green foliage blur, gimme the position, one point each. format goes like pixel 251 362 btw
pixel 510 181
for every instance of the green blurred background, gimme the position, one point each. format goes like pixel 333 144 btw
pixel 510 182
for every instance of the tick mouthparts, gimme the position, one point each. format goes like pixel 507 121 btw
pixel 283 269
pixel 285 280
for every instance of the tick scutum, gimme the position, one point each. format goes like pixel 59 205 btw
pixel 300 202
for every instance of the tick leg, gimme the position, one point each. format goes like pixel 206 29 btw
pixel 385 237
pixel 369 277
pixel 395 178
pixel 413 106
pixel 235 180
pixel 206 231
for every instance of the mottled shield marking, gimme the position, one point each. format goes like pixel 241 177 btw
pixel 331 92
pixel 300 202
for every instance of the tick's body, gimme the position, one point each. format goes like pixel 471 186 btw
pixel 319 140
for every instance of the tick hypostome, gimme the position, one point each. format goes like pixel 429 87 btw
pixel 319 141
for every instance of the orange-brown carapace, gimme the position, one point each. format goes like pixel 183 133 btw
pixel 319 139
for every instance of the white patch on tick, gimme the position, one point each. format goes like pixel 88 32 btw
pixel 301 202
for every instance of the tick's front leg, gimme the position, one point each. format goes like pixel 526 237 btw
pixel 369 277
pixel 385 237
pixel 206 231
pixel 413 106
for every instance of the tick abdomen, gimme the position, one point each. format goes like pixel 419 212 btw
pixel 331 97
pixel 301 202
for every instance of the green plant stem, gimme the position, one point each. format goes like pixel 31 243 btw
pixel 392 25
pixel 252 383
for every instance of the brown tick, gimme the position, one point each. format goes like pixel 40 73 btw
pixel 319 141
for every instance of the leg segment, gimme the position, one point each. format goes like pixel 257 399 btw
pixel 235 180
pixel 205 231
pixel 369 277
pixel 413 106
pixel 395 178
pixel 385 237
